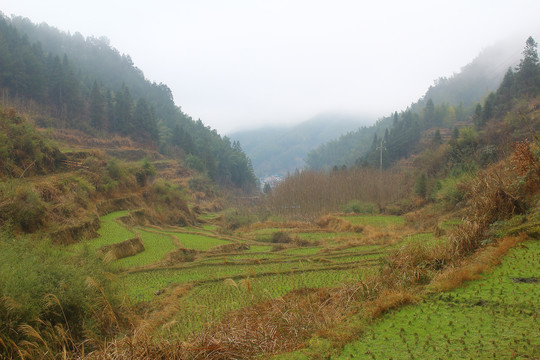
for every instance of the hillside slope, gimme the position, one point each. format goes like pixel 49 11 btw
pixel 68 81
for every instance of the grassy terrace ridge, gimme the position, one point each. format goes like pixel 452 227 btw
pixel 156 246
pixel 110 232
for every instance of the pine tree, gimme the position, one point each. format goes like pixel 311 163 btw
pixel 437 138
pixel 429 113
pixel 528 70
pixel 97 108
pixel 420 186
pixel 144 121
pixel 123 111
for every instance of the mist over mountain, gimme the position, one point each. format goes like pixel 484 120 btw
pixel 455 99
pixel 282 149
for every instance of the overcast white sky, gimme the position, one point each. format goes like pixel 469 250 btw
pixel 244 63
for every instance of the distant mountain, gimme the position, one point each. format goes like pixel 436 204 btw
pixel 282 149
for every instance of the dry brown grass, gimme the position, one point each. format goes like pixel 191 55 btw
pixel 78 138
pixel 492 195
pixel 337 224
pixel 310 194
pixel 229 248
pixel 471 268
pixel 298 225
pixel 388 300
pixel 122 249
pixel 159 315
pixel 415 263
pixel 273 326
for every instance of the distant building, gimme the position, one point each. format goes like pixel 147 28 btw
pixel 272 180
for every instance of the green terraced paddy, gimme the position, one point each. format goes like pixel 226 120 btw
pixel 156 246
pixel 375 221
pixel 110 232
pixel 449 224
pixel 319 236
pixel 494 317
pixel 252 256
pixel 259 248
pixel 303 251
pixel 142 285
pixel 191 229
pixel 220 281
pixel 210 302
pixel 198 242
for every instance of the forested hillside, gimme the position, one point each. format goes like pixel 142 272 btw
pixel 446 104
pixel 413 132
pixel 68 81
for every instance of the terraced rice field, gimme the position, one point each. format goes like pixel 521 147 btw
pixel 494 317
pixel 251 269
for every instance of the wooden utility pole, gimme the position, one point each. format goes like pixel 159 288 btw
pixel 381 148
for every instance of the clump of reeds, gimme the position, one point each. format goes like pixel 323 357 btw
pixel 338 224
pixel 471 268
pixel 228 248
pixel 180 255
pixel 414 263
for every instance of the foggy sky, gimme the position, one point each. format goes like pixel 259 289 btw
pixel 244 63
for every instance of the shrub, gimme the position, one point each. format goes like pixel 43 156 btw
pixel 235 219
pixel 115 170
pixel 492 195
pixel 450 193
pixel 359 207
pixel 526 163
pixel 146 172
pixel 281 237
pixel 201 183
pixel 21 206
pixel 393 209
pixel 49 289
pixel 23 151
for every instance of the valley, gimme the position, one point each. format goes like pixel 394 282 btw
pixel 129 230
